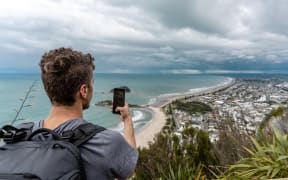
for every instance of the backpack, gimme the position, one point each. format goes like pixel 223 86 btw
pixel 24 156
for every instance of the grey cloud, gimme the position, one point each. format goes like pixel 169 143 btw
pixel 273 15
pixel 202 15
pixel 147 35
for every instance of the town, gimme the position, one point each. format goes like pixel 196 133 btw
pixel 244 101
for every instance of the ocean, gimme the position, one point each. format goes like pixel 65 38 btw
pixel 146 89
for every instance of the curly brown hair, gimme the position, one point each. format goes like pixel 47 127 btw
pixel 63 71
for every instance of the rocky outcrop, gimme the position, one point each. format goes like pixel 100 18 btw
pixel 109 103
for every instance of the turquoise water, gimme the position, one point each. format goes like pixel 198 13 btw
pixel 145 88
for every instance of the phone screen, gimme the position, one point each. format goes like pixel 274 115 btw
pixel 118 99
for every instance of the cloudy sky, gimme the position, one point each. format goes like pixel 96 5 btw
pixel 145 36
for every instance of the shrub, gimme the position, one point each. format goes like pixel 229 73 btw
pixel 193 107
pixel 183 172
pixel 185 156
pixel 232 139
pixel 266 161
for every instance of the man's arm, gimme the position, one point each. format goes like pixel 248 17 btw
pixel 128 125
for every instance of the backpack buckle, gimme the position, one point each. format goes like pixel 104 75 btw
pixel 8 137
pixel 14 136
pixel 67 135
pixel 73 135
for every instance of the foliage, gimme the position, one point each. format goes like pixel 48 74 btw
pixel 150 158
pixel 277 112
pixel 183 156
pixel 232 138
pixel 183 172
pixel 277 118
pixel 266 161
pixel 193 107
pixel 23 101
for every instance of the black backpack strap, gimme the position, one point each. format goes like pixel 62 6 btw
pixel 82 133
pixel 11 134
pixel 42 131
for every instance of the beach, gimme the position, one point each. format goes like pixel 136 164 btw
pixel 152 128
pixel 148 132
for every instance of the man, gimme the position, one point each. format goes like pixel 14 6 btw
pixel 67 76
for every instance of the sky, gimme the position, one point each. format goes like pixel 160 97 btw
pixel 149 36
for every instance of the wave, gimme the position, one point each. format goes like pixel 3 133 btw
pixel 152 100
pixel 226 82
pixel 169 94
pixel 138 118
pixel 137 115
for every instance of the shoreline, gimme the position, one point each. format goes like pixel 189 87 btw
pixel 164 101
pixel 147 133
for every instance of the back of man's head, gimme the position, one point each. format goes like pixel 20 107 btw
pixel 63 71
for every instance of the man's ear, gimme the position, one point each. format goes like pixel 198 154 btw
pixel 83 91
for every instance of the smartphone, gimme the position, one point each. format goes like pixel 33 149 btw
pixel 118 99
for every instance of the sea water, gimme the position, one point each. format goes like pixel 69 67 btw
pixel 145 89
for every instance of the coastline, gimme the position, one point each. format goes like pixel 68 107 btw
pixel 147 133
pixel 165 100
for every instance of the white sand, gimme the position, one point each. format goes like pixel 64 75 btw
pixel 148 132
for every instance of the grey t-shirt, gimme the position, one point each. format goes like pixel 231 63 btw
pixel 107 155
